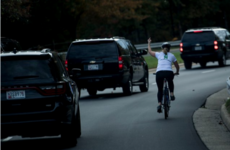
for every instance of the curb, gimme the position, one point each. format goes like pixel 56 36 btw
pixel 225 116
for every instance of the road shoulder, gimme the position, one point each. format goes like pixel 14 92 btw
pixel 210 125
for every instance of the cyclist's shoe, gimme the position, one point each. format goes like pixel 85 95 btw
pixel 172 98
pixel 159 109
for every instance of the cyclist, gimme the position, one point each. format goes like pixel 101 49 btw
pixel 164 70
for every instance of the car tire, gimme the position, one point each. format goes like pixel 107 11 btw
pixel 128 87
pixel 78 123
pixel 222 61
pixel 145 86
pixel 92 91
pixel 203 64
pixel 69 135
pixel 188 64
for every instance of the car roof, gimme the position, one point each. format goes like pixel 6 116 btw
pixel 25 53
pixel 99 39
pixel 205 29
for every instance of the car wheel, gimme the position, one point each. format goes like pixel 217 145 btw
pixel 78 123
pixel 92 91
pixel 188 64
pixel 145 86
pixel 222 61
pixel 128 87
pixel 203 64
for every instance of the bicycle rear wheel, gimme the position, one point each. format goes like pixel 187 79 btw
pixel 166 111
pixel 166 103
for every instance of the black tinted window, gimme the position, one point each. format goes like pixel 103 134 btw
pixel 221 34
pixel 92 49
pixel 198 37
pixel 123 46
pixel 227 35
pixel 132 48
pixel 26 68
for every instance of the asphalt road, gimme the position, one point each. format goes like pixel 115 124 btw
pixel 112 121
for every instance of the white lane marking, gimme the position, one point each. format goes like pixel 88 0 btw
pixel 153 83
pixel 7 139
pixel 208 71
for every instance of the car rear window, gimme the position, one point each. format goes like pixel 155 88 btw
pixel 92 49
pixel 26 68
pixel 198 37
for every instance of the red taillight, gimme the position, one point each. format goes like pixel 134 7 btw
pixel 66 65
pixel 181 47
pixel 198 31
pixel 53 89
pixel 120 62
pixel 216 45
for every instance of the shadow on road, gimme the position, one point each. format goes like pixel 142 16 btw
pixel 106 96
pixel 198 67
pixel 35 144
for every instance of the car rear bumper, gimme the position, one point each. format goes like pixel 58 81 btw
pixel 103 81
pixel 38 123
pixel 200 57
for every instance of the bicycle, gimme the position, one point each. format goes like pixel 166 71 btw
pixel 166 101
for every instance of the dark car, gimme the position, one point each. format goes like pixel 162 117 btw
pixel 97 64
pixel 37 96
pixel 203 45
pixel 8 44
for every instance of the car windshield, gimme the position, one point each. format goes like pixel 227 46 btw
pixel 198 37
pixel 26 69
pixel 93 49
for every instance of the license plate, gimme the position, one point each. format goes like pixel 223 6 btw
pixel 15 94
pixel 198 48
pixel 93 67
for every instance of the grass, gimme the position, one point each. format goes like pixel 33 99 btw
pixel 152 61
pixel 228 105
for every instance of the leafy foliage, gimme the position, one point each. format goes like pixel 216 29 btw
pixel 54 23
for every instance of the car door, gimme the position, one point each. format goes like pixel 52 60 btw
pixel 138 62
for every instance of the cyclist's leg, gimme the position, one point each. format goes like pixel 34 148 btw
pixel 160 83
pixel 170 77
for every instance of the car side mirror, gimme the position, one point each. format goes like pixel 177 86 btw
pixel 142 52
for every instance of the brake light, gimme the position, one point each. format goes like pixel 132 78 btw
pixel 198 31
pixel 53 89
pixel 216 45
pixel 120 62
pixel 66 65
pixel 181 47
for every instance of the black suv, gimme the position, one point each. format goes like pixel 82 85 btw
pixel 205 44
pixel 96 64
pixel 37 96
pixel 9 44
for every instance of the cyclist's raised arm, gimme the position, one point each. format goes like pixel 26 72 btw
pixel 152 53
pixel 177 67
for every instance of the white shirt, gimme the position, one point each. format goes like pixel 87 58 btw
pixel 165 61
